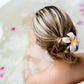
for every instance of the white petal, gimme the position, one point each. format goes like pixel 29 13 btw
pixel 76 39
pixel 66 39
pixel 77 43
pixel 71 35
pixel 72 47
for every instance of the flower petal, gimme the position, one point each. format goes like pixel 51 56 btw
pixel 73 47
pixel 66 39
pixel 12 29
pixel 71 35
pixel 76 38
pixel 1 68
pixel 80 22
pixel 2 75
pixel 77 43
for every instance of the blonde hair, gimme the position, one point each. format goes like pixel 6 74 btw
pixel 50 25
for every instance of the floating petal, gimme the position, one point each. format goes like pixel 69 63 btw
pixel 1 68
pixel 83 14
pixel 12 29
pixel 81 10
pixel 80 22
pixel 2 75
pixel 82 5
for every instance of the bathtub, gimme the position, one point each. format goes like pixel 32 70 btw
pixel 14 30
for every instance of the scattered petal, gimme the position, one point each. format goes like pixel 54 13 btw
pixel 2 75
pixel 80 22
pixel 76 38
pixel 66 39
pixel 71 35
pixel 82 5
pixel 12 29
pixel 1 68
pixel 81 10
pixel 83 14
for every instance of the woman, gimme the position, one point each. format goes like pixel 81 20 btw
pixel 56 35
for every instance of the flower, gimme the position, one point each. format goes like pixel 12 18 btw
pixel 71 39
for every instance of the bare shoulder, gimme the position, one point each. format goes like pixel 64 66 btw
pixel 34 79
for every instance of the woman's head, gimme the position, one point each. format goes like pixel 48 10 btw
pixel 50 25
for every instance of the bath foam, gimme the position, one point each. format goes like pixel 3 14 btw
pixel 1 31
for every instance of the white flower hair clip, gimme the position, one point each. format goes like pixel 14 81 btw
pixel 71 39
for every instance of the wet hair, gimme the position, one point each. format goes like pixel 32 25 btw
pixel 50 24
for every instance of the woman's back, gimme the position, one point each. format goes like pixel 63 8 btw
pixel 53 74
pixel 59 72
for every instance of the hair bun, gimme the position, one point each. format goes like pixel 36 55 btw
pixel 70 58
pixel 57 48
pixel 59 51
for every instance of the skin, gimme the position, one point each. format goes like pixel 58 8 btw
pixel 58 72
